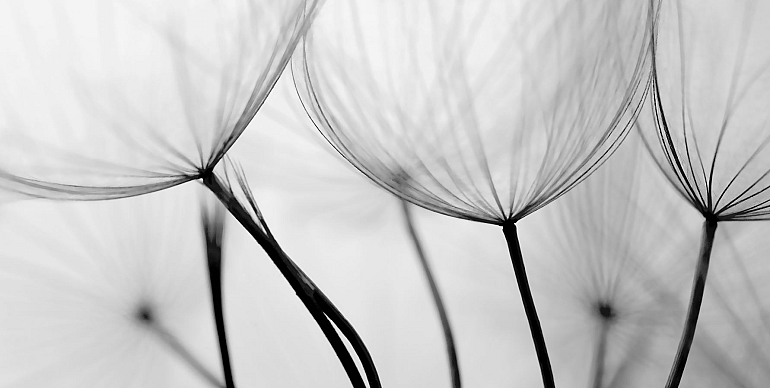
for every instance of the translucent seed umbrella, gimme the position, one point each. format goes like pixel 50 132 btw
pixel 485 111
pixel 109 99
pixel 106 99
pixel 709 126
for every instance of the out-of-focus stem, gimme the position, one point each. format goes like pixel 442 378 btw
pixel 173 343
pixel 213 232
pixel 512 237
pixel 454 366
pixel 696 298
pixel 601 353
pixel 315 302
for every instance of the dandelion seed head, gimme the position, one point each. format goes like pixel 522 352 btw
pixel 492 109
pixel 708 125
pixel 107 99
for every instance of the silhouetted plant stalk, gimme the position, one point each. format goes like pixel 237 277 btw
pixel 709 132
pixel 446 328
pixel 696 299
pixel 213 221
pixel 314 300
pixel 737 344
pixel 484 132
pixel 512 237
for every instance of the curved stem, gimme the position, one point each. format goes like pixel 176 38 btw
pixel 305 289
pixel 696 298
pixel 512 237
pixel 352 336
pixel 213 230
pixel 347 330
pixel 454 367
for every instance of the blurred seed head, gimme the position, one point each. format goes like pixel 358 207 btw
pixel 92 292
pixel 608 272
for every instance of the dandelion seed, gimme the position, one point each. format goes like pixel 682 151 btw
pixel 489 110
pixel 709 126
pixel 108 99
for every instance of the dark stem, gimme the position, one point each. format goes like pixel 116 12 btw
pixel 696 298
pixel 213 231
pixel 601 353
pixel 305 289
pixel 347 330
pixel 454 367
pixel 512 237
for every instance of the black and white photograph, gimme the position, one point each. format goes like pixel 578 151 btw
pixel 384 193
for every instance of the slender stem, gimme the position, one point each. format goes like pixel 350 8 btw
pixel 172 342
pixel 454 367
pixel 352 336
pixel 601 354
pixel 696 298
pixel 347 330
pixel 305 289
pixel 213 231
pixel 512 237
